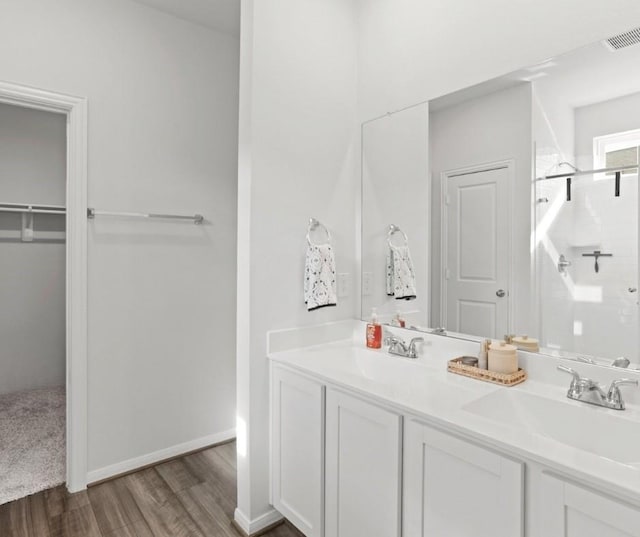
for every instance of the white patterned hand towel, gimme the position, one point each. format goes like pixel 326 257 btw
pixel 320 277
pixel 401 280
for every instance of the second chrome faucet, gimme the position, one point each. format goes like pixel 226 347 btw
pixel 589 391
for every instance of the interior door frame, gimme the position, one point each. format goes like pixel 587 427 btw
pixel 75 110
pixel 509 164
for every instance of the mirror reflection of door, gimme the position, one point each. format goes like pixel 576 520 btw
pixel 477 248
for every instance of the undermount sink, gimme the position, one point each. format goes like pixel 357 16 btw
pixel 578 425
pixel 373 365
pixel 398 377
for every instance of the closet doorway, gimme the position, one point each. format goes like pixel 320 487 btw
pixel 43 291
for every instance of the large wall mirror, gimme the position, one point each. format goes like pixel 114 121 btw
pixel 511 208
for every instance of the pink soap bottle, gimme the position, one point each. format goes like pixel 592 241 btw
pixel 374 331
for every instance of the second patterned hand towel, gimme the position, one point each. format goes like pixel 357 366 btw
pixel 401 280
pixel 320 277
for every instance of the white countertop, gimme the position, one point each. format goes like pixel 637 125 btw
pixel 423 388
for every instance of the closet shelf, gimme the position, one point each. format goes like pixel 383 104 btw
pixel 28 208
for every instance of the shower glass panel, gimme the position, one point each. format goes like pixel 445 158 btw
pixel 587 261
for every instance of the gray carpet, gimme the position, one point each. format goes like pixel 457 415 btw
pixel 32 442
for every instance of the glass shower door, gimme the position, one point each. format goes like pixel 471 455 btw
pixel 587 265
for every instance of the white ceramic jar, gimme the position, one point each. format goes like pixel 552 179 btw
pixel 503 358
pixel 526 343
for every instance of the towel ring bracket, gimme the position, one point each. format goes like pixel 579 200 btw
pixel 393 229
pixel 313 225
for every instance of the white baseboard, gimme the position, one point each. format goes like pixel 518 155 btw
pixel 253 526
pixel 150 458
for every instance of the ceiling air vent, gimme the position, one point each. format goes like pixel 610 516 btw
pixel 632 37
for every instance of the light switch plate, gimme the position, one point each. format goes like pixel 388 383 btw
pixel 367 283
pixel 344 285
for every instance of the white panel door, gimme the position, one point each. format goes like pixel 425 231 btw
pixel 297 423
pixel 363 467
pixel 454 488
pixel 477 252
pixel 572 511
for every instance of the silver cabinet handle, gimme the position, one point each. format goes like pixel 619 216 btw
pixel 500 293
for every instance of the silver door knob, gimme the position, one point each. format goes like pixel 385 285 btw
pixel 500 293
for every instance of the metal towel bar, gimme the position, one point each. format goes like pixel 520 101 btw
pixel 196 218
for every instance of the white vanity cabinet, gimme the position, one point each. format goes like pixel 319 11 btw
pixel 347 465
pixel 453 487
pixel 574 511
pixel 363 468
pixel 297 440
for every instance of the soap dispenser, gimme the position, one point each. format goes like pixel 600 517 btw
pixel 398 320
pixel 374 331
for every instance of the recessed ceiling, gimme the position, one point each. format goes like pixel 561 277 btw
pixel 220 15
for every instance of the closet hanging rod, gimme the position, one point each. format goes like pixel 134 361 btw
pixel 587 172
pixel 196 218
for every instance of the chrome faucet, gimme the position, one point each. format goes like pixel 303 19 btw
pixel 588 391
pixel 621 362
pixel 398 347
pixel 586 360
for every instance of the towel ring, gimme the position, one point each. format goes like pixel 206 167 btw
pixel 315 224
pixel 393 229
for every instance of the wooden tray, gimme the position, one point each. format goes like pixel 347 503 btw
pixel 504 379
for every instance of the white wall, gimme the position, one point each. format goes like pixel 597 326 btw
pixel 395 190
pixel 553 128
pixel 493 128
pixel 609 117
pixel 162 97
pixel 298 152
pixel 412 51
pixel 32 282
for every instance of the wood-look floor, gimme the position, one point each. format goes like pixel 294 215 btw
pixel 191 496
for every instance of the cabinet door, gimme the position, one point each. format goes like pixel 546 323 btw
pixel 297 420
pixel 572 511
pixel 455 488
pixel 363 468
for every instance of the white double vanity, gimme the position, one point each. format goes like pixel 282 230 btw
pixel 368 444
